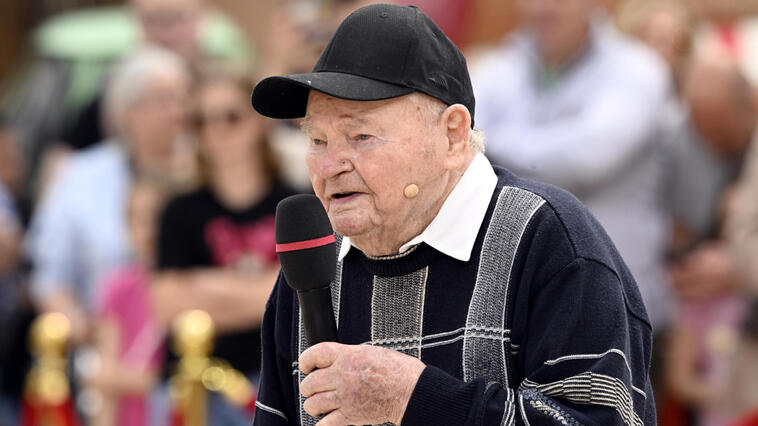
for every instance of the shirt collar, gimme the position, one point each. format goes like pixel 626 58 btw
pixel 453 231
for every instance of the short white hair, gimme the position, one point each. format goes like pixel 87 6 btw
pixel 435 108
pixel 477 140
pixel 128 80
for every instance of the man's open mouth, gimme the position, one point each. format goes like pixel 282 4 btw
pixel 341 195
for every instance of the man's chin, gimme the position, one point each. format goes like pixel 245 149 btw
pixel 348 225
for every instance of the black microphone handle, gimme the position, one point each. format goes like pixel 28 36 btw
pixel 318 317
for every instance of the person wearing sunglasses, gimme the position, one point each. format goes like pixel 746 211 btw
pixel 216 244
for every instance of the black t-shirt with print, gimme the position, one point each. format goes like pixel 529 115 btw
pixel 197 231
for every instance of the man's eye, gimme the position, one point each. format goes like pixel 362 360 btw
pixel 318 141
pixel 363 137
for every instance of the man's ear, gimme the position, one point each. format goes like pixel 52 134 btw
pixel 456 123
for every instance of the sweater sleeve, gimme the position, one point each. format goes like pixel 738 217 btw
pixel 275 403
pixel 584 360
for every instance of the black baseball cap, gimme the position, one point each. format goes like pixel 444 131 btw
pixel 379 52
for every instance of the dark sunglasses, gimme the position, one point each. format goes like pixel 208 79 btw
pixel 229 117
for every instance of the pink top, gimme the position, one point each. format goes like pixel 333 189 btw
pixel 717 323
pixel 125 299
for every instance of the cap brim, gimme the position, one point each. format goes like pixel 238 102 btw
pixel 287 96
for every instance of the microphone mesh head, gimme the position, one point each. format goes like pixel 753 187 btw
pixel 301 218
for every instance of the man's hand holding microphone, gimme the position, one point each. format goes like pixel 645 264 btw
pixel 346 384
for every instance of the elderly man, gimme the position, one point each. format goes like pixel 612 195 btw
pixel 464 294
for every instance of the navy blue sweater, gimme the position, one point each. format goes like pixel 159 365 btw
pixel 543 325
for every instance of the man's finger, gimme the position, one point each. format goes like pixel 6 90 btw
pixel 335 418
pixel 321 403
pixel 317 381
pixel 319 356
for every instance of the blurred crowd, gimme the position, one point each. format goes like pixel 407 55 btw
pixel 137 183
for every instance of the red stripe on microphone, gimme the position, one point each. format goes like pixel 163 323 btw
pixel 302 245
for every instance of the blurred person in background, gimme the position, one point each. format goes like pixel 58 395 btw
pixel 11 304
pixel 56 100
pixel 721 111
pixel 172 24
pixel 127 335
pixel 743 222
pixel 731 33
pixel 705 335
pixel 12 170
pixel 700 165
pixel 742 232
pixel 216 245
pixel 11 223
pixel 570 101
pixel 708 123
pixel 79 229
pixel 692 179
pixel 666 26
pixel 180 26
pixel 726 9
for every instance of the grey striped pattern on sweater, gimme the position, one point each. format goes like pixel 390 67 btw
pixel 397 311
pixel 483 345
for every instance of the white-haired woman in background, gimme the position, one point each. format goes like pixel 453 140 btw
pixel 78 231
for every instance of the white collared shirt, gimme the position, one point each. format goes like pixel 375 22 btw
pixel 453 231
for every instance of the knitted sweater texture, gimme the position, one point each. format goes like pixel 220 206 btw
pixel 543 325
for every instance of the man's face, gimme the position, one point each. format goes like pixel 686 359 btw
pixel 725 121
pixel 156 119
pixel 556 22
pixel 363 154
pixel 723 126
pixel 172 24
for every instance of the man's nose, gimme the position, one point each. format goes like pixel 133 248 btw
pixel 336 160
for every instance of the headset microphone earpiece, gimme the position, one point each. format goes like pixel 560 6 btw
pixel 411 191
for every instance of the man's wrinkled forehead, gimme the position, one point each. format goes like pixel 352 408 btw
pixel 346 112
pixel 346 121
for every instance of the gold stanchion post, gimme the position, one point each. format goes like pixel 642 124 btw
pixel 193 341
pixel 47 395
pixel 197 372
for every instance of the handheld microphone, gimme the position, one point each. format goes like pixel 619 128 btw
pixel 305 246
